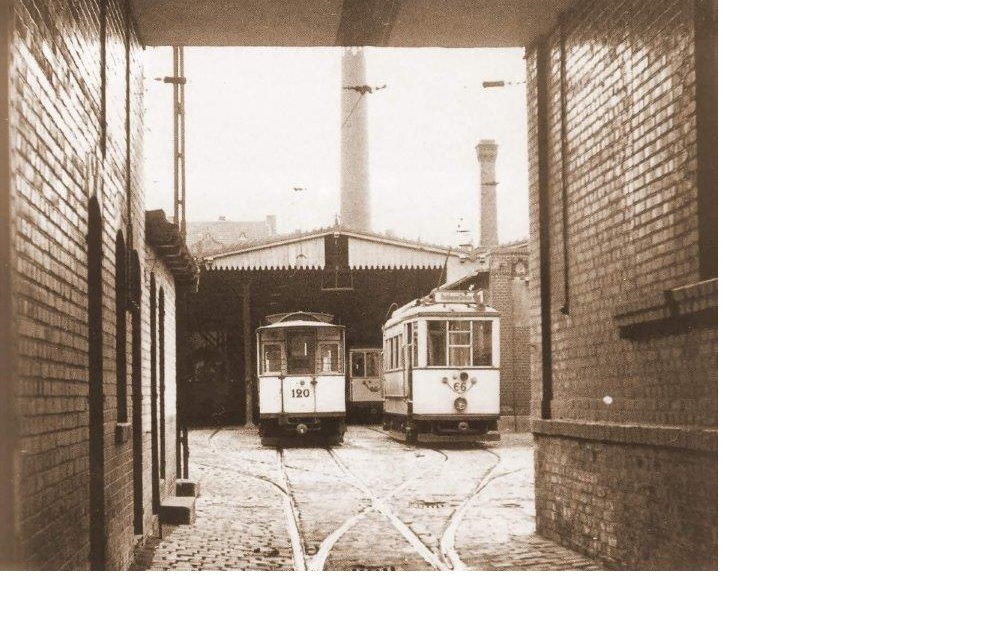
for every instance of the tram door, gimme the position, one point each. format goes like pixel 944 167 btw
pixel 409 356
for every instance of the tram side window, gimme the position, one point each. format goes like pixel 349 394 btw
pixel 272 355
pixel 357 365
pixel 483 343
pixel 436 355
pixel 371 364
pixel 300 352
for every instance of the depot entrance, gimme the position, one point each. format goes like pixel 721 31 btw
pixel 217 373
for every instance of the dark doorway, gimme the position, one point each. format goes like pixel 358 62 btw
pixel 136 389
pixel 96 398
pixel 161 381
pixel 155 433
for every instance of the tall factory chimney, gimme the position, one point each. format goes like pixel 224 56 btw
pixel 355 193
pixel 486 151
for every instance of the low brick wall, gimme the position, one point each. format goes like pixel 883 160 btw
pixel 629 506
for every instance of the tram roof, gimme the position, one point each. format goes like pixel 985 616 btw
pixel 300 319
pixel 442 303
pixel 300 324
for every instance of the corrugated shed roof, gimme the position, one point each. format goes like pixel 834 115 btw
pixel 278 239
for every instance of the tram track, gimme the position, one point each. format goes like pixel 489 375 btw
pixel 288 502
pixel 447 539
pixel 381 505
pixel 442 556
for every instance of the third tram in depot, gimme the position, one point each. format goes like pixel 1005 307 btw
pixel 364 394
pixel 442 369
pixel 302 377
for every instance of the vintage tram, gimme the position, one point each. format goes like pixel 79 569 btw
pixel 364 394
pixel 302 377
pixel 442 369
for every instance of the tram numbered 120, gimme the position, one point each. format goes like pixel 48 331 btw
pixel 442 369
pixel 364 395
pixel 302 377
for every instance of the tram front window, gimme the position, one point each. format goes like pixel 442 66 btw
pixel 483 343
pixel 455 343
pixel 301 353
pixel 271 358
pixel 357 365
pixel 331 357
pixel 371 361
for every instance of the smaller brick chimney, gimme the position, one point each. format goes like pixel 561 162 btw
pixel 486 151
pixel 271 222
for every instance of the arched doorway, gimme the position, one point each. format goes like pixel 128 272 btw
pixel 96 397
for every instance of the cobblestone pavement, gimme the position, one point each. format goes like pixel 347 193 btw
pixel 369 504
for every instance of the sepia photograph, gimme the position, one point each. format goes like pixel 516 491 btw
pixel 359 285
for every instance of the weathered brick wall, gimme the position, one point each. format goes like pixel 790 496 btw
pixel 636 506
pixel 610 482
pixel 69 142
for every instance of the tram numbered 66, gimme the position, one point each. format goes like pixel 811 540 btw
pixel 302 377
pixel 442 369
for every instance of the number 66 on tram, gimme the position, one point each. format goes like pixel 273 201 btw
pixel 302 379
pixel 442 369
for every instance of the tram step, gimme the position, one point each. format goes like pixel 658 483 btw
pixel 186 488
pixel 178 510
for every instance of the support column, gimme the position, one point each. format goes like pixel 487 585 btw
pixel 248 336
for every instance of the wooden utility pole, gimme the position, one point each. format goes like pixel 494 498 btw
pixel 178 95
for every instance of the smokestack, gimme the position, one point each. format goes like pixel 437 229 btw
pixel 271 223
pixel 355 194
pixel 486 151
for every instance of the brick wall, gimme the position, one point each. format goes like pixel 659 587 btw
pixel 76 133
pixel 509 295
pixel 638 506
pixel 626 468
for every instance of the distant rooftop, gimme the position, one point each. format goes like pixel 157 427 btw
pixel 204 237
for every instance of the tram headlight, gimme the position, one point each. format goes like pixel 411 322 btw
pixel 460 404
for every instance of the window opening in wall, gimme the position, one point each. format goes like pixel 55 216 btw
pixel 121 301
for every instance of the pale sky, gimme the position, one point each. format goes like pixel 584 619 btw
pixel 262 121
